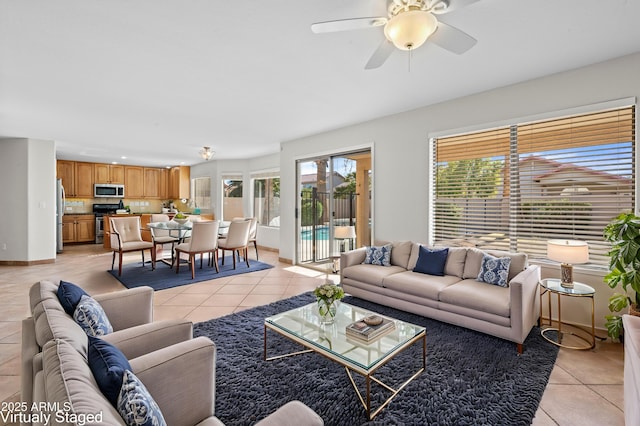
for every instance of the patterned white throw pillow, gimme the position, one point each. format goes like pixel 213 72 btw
pixel 495 270
pixel 136 405
pixel 91 317
pixel 380 256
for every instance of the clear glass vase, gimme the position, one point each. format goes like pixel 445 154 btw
pixel 327 309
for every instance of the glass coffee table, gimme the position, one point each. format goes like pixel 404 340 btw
pixel 302 325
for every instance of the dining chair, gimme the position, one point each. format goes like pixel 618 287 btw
pixel 204 239
pixel 237 240
pixel 160 237
pixel 253 229
pixel 125 237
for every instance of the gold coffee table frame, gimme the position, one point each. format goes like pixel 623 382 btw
pixel 302 326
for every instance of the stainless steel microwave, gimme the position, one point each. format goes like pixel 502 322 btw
pixel 108 190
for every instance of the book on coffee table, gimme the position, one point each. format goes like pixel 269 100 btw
pixel 367 330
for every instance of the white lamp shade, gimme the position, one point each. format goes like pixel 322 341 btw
pixel 344 232
pixel 568 251
pixel 409 30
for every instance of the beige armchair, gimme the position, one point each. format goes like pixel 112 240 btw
pixel 204 239
pixel 160 237
pixel 130 312
pixel 126 237
pixel 180 378
pixel 237 240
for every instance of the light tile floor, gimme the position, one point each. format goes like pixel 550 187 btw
pixel 585 387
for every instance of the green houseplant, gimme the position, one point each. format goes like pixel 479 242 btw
pixel 623 233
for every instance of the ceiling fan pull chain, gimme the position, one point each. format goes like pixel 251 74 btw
pixel 410 55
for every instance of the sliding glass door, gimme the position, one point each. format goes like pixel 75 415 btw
pixel 333 211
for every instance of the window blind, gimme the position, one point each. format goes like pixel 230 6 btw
pixel 515 187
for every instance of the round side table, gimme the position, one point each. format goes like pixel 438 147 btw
pixel 553 286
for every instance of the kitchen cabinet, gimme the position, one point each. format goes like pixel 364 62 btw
pixel 155 183
pixel 77 178
pixel 179 182
pixel 109 173
pixel 134 181
pixel 78 228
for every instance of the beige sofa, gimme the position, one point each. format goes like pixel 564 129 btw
pixel 178 371
pixel 457 297
pixel 631 369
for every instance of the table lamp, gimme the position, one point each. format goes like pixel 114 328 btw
pixel 344 233
pixel 567 252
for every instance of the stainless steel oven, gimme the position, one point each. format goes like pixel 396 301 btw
pixel 100 210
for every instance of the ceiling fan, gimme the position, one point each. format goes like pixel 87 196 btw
pixel 409 25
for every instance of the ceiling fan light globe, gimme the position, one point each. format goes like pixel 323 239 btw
pixel 409 30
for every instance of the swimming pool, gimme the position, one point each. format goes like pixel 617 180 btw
pixel 322 233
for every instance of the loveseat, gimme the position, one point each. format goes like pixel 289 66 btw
pixel 457 296
pixel 177 369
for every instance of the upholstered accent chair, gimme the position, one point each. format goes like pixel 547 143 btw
pixel 237 240
pixel 204 239
pixel 160 237
pixel 253 230
pixel 126 237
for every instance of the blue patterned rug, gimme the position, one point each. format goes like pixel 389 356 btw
pixel 136 275
pixel 470 379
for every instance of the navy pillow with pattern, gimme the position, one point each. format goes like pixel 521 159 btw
pixel 136 405
pixel 380 256
pixel 495 270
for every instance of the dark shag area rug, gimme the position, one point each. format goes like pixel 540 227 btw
pixel 136 275
pixel 470 378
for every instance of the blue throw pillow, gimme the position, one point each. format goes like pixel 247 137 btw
pixel 69 296
pixel 431 261
pixel 108 365
pixel 136 405
pixel 380 256
pixel 495 270
pixel 91 317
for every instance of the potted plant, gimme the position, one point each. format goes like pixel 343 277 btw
pixel 624 264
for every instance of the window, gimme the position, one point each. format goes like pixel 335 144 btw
pixel 266 200
pixel 201 190
pixel 514 188
pixel 232 197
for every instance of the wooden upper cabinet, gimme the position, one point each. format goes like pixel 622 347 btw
pixel 179 182
pixel 155 183
pixel 109 173
pixel 134 182
pixel 84 179
pixel 65 170
pixel 77 178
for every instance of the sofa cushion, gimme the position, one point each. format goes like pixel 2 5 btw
pixel 69 295
pixel 108 365
pixel 68 382
pixel 52 323
pixel 495 270
pixel 369 274
pixel 519 261
pixel 417 284
pixel 474 261
pixel 378 255
pixel 400 253
pixel 477 295
pixel 91 317
pixel 136 405
pixel 431 261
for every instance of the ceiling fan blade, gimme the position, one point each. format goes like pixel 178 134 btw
pixel 452 39
pixel 380 56
pixel 451 6
pixel 348 24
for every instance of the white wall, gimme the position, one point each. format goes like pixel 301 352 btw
pixel 27 180
pixel 400 163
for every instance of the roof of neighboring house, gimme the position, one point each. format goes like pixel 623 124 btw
pixel 579 173
pixel 313 177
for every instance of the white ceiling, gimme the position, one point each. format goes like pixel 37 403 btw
pixel 155 80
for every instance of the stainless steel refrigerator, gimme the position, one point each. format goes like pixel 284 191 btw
pixel 59 214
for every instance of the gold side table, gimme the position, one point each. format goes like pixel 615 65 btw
pixel 552 286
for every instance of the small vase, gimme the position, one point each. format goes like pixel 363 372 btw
pixel 327 310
